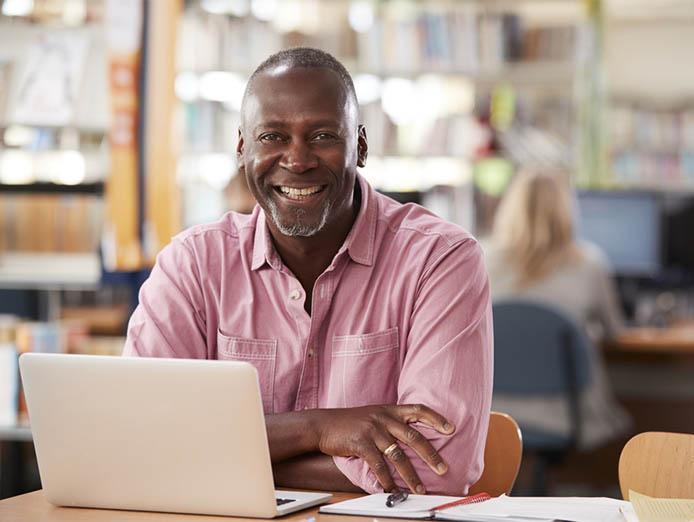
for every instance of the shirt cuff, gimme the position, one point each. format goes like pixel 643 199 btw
pixel 358 473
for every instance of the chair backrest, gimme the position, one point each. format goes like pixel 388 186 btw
pixel 502 456
pixel 658 464
pixel 538 350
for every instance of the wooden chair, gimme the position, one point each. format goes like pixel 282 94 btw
pixel 658 464
pixel 502 456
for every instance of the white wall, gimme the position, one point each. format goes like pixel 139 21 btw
pixel 651 59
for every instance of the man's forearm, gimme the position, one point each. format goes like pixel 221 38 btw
pixel 291 434
pixel 312 471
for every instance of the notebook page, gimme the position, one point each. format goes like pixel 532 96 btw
pixel 650 509
pixel 375 505
pixel 575 509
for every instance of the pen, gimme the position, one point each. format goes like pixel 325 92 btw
pixel 396 498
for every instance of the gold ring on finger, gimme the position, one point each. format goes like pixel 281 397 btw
pixel 390 449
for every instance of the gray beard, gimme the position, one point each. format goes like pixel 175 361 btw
pixel 298 228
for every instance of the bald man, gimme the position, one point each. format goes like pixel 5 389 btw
pixel 369 322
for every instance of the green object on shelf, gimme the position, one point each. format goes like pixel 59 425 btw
pixel 503 107
pixel 492 175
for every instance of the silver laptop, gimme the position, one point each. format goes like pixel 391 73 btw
pixel 170 435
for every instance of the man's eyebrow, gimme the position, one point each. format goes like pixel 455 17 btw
pixel 269 124
pixel 312 124
pixel 327 123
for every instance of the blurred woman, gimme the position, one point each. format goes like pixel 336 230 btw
pixel 238 195
pixel 534 255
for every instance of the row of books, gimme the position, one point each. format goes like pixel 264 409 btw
pixel 636 168
pixel 18 337
pixel 210 129
pixel 34 139
pixel 652 130
pixel 50 223
pixel 457 38
pixel 460 40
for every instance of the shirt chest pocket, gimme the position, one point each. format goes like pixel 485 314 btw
pixel 364 369
pixel 261 353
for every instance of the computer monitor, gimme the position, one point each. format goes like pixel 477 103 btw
pixel 626 226
pixel 678 215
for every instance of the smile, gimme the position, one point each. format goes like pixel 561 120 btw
pixel 298 194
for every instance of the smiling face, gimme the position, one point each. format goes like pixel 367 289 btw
pixel 300 144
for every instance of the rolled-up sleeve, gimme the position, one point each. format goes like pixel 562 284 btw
pixel 448 367
pixel 169 320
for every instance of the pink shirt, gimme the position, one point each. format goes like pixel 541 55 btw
pixel 401 316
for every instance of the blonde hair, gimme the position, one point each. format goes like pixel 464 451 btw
pixel 534 227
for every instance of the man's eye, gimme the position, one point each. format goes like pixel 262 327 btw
pixel 322 136
pixel 270 137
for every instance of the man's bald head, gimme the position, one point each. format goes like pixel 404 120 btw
pixel 303 57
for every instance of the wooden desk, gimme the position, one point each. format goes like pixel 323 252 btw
pixel 32 507
pixel 651 371
pixel 671 340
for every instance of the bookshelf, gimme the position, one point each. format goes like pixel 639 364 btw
pixel 424 72
pixel 647 107
pixel 16 433
pixel 54 153
pixel 48 271
pixel 652 146
pixel 80 132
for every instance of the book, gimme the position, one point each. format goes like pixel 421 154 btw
pixel 9 384
pixel 649 509
pixel 482 508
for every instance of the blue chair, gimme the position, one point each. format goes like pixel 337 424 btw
pixel 540 352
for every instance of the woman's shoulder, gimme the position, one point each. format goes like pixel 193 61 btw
pixel 592 257
pixel 493 256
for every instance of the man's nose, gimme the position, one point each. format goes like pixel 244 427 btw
pixel 298 158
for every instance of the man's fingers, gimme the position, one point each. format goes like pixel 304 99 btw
pixel 410 413
pixel 393 452
pixel 375 460
pixel 419 443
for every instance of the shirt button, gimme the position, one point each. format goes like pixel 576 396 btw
pixel 310 352
pixel 294 295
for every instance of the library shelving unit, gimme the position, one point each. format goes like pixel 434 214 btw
pixel 84 178
pixel 644 110
pixel 54 154
pixel 651 145
pixel 440 84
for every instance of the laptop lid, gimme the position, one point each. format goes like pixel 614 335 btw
pixel 174 435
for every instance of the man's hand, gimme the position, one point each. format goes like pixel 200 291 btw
pixel 368 431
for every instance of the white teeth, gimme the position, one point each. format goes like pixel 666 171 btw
pixel 298 192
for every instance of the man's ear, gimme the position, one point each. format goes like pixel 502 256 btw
pixel 239 147
pixel 362 146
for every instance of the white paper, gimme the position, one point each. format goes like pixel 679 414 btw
pixel 51 79
pixel 416 506
pixel 505 509
pixel 576 509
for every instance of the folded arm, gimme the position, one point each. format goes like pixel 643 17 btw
pixel 448 367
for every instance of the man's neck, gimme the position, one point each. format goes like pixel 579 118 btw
pixel 309 257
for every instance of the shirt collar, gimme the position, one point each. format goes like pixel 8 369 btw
pixel 361 239
pixel 359 243
pixel 263 249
